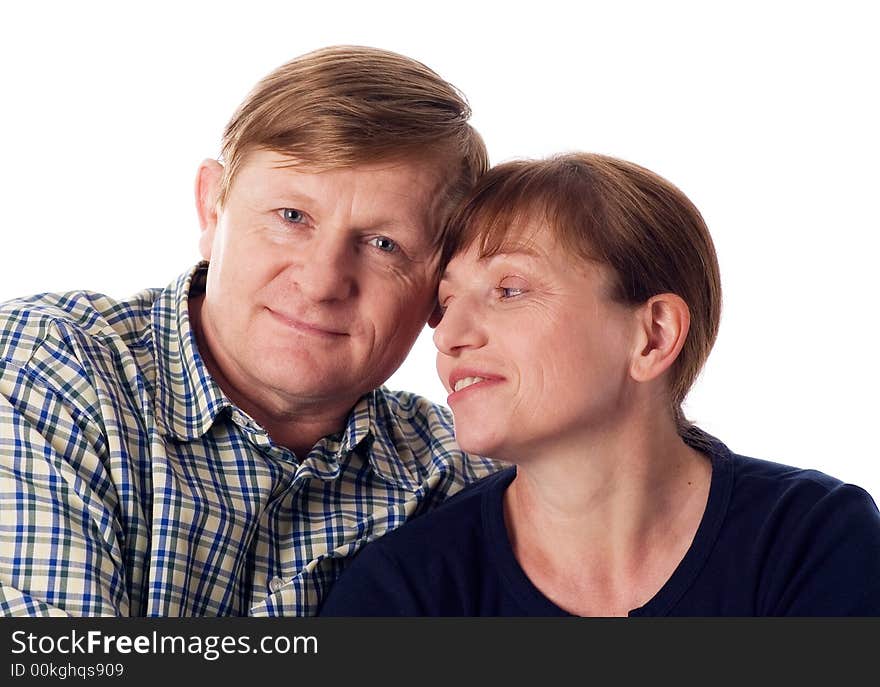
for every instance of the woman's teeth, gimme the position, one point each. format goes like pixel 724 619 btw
pixel 467 381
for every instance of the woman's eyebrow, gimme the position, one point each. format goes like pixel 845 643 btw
pixel 519 250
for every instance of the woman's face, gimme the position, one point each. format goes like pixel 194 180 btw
pixel 533 352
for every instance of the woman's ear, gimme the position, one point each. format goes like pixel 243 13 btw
pixel 663 323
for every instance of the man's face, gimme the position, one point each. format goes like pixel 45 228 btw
pixel 319 282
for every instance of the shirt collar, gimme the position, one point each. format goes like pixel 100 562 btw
pixel 375 430
pixel 188 400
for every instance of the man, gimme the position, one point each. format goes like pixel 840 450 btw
pixel 224 446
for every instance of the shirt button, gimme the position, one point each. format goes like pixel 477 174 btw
pixel 275 584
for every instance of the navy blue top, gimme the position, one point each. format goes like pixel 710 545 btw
pixel 774 540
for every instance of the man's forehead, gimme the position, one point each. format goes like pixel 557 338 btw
pixel 270 159
pixel 264 159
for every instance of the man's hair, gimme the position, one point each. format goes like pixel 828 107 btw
pixel 349 105
pixel 617 214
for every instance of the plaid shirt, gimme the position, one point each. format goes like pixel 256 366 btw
pixel 131 485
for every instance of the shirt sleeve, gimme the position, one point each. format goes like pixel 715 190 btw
pixel 59 538
pixel 830 564
pixel 374 585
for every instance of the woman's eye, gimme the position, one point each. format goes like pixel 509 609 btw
pixel 383 243
pixel 293 215
pixel 510 291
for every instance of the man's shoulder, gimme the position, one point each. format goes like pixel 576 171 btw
pixel 33 323
pixel 416 424
pixel 424 436
pixel 412 407
pixel 442 527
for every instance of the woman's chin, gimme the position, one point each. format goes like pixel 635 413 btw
pixel 478 442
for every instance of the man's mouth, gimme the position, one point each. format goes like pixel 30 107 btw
pixel 317 328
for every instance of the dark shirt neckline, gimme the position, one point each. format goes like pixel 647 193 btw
pixel 533 602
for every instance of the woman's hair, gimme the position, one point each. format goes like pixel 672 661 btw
pixel 615 213
pixel 348 105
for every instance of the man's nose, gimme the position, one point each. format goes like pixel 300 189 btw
pixel 461 327
pixel 325 268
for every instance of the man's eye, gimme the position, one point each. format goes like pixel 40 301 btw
pixel 383 243
pixel 293 215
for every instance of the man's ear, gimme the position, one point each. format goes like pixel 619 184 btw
pixel 663 323
pixel 207 192
pixel 435 316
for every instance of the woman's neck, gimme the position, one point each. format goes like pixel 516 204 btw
pixel 600 525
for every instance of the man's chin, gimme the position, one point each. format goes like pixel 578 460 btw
pixel 330 388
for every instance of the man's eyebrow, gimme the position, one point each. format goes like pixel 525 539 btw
pixel 286 193
pixel 410 226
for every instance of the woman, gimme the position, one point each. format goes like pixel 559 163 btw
pixel 580 299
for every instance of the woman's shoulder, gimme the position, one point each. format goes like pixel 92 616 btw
pixel 759 480
pixel 784 540
pixel 795 521
pixel 770 505
pixel 776 483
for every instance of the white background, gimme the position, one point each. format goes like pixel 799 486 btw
pixel 765 114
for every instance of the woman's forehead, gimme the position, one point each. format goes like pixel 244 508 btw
pixel 519 234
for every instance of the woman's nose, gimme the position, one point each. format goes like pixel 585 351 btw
pixel 460 328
